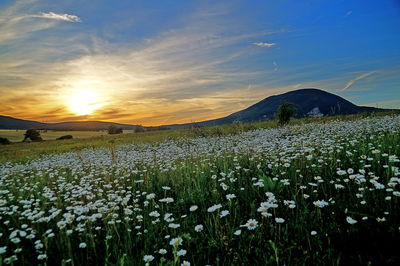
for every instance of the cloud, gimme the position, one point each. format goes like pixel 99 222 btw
pixel 55 16
pixel 351 82
pixel 21 19
pixel 153 81
pixel 349 13
pixel 276 67
pixel 264 44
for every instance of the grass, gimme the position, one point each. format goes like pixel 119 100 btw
pixel 106 207
pixel 18 135
pixel 23 152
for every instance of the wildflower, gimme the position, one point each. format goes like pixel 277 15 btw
pixel 166 200
pixel 320 203
pixel 237 232
pixel 166 188
pixel 162 251
pixel 313 233
pixel 341 172
pixel 181 252
pixel 224 213
pixel 185 263
pixel 251 224
pixel 3 250
pixel 230 196
pixel 350 220
pixel 176 241
pixel 279 220
pixel 198 228
pixel 41 256
pixel 383 219
pixel 266 214
pixel 82 245
pixel 193 208
pixel 150 196
pixel 174 226
pixel 148 258
pixel 214 207
pixel 154 214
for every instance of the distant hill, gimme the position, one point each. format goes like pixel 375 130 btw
pixel 309 103
pixel 7 122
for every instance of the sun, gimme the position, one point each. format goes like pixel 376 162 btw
pixel 84 102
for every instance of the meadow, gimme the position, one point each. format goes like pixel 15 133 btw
pixel 316 192
pixel 18 135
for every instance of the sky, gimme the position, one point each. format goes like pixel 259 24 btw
pixel 175 61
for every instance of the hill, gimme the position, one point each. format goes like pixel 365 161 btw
pixel 7 122
pixel 309 103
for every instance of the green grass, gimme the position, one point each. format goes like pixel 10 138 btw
pixel 18 135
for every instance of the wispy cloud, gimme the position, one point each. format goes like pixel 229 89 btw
pixel 265 44
pixel 349 13
pixel 15 23
pixel 55 16
pixel 159 79
pixel 359 77
pixel 276 67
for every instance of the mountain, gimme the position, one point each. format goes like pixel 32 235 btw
pixel 309 103
pixel 7 122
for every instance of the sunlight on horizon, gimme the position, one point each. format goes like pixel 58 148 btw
pixel 84 102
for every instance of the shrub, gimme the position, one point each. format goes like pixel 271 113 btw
pixel 65 137
pixel 33 135
pixel 4 141
pixel 285 111
pixel 114 130
pixel 139 129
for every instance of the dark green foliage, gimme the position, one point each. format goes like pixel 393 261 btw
pixel 4 141
pixel 285 111
pixel 33 135
pixel 65 137
pixel 114 130
pixel 139 129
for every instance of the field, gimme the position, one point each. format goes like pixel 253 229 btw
pixel 18 135
pixel 317 192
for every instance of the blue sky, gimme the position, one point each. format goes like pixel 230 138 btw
pixel 160 62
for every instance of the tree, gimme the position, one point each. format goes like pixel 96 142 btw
pixel 139 129
pixel 285 111
pixel 113 129
pixel 4 141
pixel 32 135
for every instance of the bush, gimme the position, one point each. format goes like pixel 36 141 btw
pixel 4 141
pixel 114 130
pixel 32 135
pixel 65 137
pixel 285 111
pixel 139 129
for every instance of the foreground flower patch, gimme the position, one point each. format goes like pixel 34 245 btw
pixel 310 194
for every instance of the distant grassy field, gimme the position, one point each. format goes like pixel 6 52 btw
pixel 90 139
pixel 18 135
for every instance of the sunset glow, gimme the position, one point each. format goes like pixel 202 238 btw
pixel 84 102
pixel 155 63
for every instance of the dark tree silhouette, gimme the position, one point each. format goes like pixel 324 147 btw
pixel 4 141
pixel 285 111
pixel 33 135
pixel 114 130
